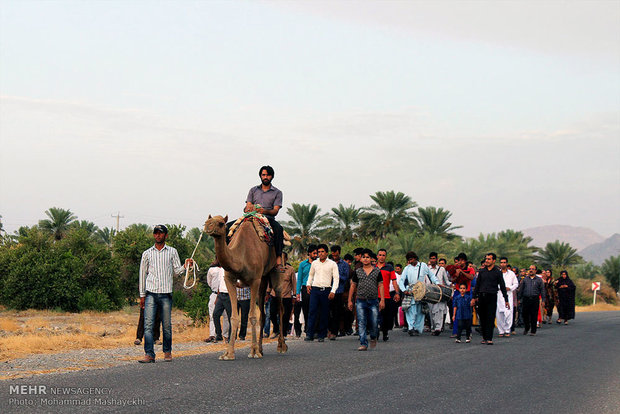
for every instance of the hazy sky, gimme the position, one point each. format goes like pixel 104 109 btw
pixel 505 113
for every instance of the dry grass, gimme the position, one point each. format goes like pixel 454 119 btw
pixel 36 332
pixel 599 307
pixel 8 325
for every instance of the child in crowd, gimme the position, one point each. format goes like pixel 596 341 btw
pixel 462 312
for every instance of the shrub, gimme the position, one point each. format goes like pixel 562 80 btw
pixel 197 306
pixel 179 299
pixel 44 274
pixel 95 300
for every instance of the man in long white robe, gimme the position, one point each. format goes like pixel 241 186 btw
pixel 413 273
pixel 504 315
pixel 438 310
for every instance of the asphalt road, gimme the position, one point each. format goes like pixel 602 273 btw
pixel 564 369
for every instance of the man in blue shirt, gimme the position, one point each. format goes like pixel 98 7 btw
pixel 413 273
pixel 336 309
pixel 303 296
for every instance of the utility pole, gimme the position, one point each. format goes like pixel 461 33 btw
pixel 118 218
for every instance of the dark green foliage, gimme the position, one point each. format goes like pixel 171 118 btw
pixel 41 274
pixel 558 254
pixel 57 222
pixel 611 270
pixel 128 247
pixel 389 215
pixel 197 306
pixel 95 300
pixel 179 299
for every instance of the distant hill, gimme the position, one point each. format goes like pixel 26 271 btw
pixel 598 252
pixel 577 237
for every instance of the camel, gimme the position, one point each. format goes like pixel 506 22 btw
pixel 253 262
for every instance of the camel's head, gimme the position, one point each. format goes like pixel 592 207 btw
pixel 216 226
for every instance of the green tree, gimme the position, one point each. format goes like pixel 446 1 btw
pixel 433 220
pixel 5 239
pixel 389 215
pixel 342 224
pixel 305 225
pixel 558 254
pixel 105 236
pixel 129 244
pixel 477 248
pixel 420 243
pixel 611 271
pixel 509 243
pixel 584 271
pixel 516 247
pixel 90 227
pixel 58 222
pixel 72 274
pixel 205 253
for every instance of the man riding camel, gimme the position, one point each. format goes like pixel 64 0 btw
pixel 269 198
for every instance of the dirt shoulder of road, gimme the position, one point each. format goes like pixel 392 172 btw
pixel 43 342
pixel 599 307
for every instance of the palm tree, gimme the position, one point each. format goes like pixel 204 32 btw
pixel 306 224
pixel 90 227
pixel 414 241
pixel 516 247
pixel 388 215
pixel 477 248
pixel 558 254
pixel 105 236
pixel 342 224
pixel 611 271
pixel 58 222
pixel 140 227
pixel 433 220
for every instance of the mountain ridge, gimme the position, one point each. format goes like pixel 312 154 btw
pixel 578 237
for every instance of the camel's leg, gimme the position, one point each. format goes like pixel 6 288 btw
pixel 275 282
pixel 261 302
pixel 231 282
pixel 256 330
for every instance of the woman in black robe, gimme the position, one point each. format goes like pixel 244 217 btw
pixel 566 296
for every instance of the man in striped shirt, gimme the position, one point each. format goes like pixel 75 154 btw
pixel 158 265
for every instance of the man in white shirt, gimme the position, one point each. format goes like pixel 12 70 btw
pixel 503 315
pixel 215 276
pixel 222 304
pixel 321 285
pixel 438 310
pixel 158 266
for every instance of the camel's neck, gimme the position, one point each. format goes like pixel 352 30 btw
pixel 225 256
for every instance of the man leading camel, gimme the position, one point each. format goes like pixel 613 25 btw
pixel 157 267
pixel 270 200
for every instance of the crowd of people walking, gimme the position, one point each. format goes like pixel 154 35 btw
pixel 362 291
pixel 365 294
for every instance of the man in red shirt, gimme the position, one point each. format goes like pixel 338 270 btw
pixel 389 277
pixel 460 272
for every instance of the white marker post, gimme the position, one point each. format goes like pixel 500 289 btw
pixel 595 286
